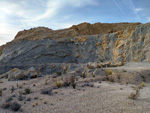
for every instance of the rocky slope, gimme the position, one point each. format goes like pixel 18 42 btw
pixel 76 30
pixel 83 43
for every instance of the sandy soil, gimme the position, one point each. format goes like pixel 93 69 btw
pixel 104 97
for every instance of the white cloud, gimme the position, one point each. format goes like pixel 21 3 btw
pixel 4 38
pixel 54 6
pixel 2 41
pixel 26 11
pixel 148 19
pixel 138 9
pixel 17 15
pixel 7 32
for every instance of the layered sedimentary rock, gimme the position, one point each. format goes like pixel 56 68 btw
pixel 76 30
pixel 114 43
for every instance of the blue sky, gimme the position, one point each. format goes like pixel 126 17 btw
pixel 16 15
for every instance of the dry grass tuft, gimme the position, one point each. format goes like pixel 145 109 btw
pixel 59 83
pixel 135 95
pixel 108 72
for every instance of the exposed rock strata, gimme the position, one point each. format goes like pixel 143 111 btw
pixel 76 30
pixel 38 46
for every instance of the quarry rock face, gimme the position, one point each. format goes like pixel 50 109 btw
pixel 83 43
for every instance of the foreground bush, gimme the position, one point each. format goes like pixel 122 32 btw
pixel 59 83
pixel 1 92
pixel 135 95
pixel 27 90
pixel 108 72
pixel 13 106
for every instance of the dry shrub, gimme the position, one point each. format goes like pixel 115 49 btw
pixel 110 79
pixel 108 72
pixel 82 39
pixel 47 91
pixel 1 91
pixel 66 81
pixel 13 106
pixel 142 84
pixel 135 95
pixel 66 68
pixel 59 83
pixel 73 78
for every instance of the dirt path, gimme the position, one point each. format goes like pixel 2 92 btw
pixel 132 66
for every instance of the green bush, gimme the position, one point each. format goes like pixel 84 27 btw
pixel 27 90
pixel 12 89
pixel 74 85
pixel 15 106
pixel 1 92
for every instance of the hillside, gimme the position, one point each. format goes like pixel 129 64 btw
pixel 123 42
pixel 114 43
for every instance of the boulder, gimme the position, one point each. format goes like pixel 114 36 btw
pixel 15 74
pixel 31 73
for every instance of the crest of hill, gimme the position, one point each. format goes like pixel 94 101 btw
pixel 40 33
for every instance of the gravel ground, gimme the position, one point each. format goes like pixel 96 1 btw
pixel 105 97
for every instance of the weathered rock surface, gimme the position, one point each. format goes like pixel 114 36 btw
pixel 17 74
pixel 14 74
pixel 31 72
pixel 39 48
pixel 76 30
